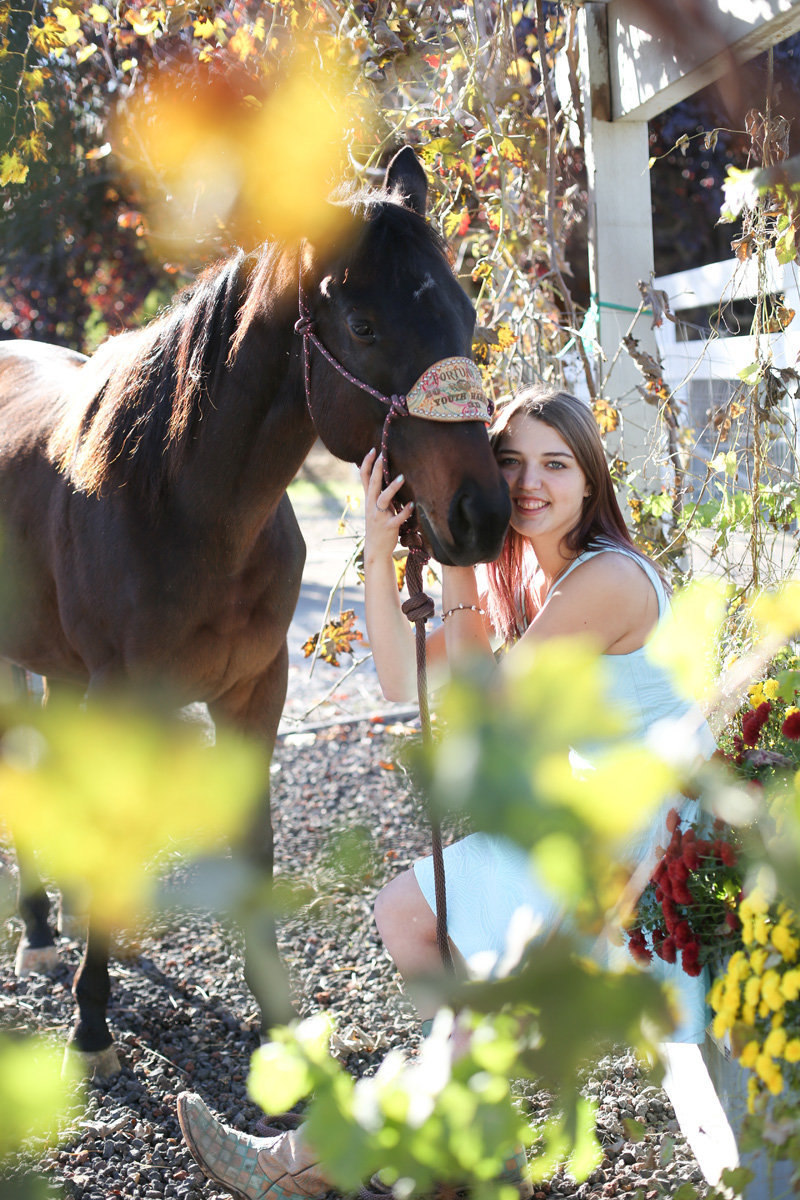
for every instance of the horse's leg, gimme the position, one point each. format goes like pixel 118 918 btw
pixel 37 950
pixel 264 970
pixel 90 1043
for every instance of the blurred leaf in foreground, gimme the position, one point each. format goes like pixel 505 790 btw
pixel 96 796
pixel 34 1096
pixel 259 164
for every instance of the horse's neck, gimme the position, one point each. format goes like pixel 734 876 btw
pixel 257 434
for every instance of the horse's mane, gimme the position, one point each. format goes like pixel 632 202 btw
pixel 144 393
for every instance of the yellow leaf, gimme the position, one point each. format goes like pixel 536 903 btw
pixel 698 611
pixel 35 146
pixel 99 13
pixel 203 27
pixel 33 80
pixel 34 1096
pixel 85 52
pixel 145 22
pixel 45 111
pixel 258 171
pixel 71 23
pixel 71 780
pixel 777 614
pixel 12 169
pixel 48 36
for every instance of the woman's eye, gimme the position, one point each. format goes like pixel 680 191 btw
pixel 556 463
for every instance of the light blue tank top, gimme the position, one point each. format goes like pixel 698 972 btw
pixel 643 689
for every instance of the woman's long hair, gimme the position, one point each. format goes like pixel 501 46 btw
pixel 601 520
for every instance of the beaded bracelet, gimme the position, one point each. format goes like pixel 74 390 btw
pixel 463 607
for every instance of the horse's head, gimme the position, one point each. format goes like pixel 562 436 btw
pixel 386 306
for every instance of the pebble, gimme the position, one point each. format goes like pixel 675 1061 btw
pixel 184 1017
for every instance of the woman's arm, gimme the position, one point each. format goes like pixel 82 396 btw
pixel 466 626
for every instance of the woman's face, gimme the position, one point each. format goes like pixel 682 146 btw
pixel 546 484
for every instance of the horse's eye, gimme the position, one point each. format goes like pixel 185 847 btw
pixel 361 329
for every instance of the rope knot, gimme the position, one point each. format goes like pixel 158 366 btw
pixel 304 326
pixel 419 607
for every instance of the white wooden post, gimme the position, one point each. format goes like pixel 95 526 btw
pixel 620 233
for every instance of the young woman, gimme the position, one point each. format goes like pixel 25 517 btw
pixel 568 566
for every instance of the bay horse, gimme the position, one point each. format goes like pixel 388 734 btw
pixel 143 489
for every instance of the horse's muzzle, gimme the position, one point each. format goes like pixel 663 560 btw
pixel 477 525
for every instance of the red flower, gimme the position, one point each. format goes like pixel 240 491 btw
pixel 727 854
pixel 791 727
pixel 732 921
pixel 754 721
pixel 670 915
pixel 638 947
pixel 691 959
pixel 678 871
pixel 673 820
pixel 681 894
pixel 659 871
pixel 682 935
pixel 667 950
pixel 690 856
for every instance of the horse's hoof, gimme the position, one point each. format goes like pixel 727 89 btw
pixel 35 960
pixel 90 1064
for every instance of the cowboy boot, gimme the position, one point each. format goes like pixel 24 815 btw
pixel 250 1168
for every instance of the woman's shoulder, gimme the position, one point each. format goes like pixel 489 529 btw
pixel 613 568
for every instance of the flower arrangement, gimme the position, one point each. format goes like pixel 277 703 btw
pixel 687 912
pixel 757 1000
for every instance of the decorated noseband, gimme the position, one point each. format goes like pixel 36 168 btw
pixel 448 390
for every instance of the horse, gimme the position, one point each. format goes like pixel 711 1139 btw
pixel 143 488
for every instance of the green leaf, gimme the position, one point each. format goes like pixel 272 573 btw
pixel 751 373
pixel 34 1097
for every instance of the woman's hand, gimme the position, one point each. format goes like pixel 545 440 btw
pixel 382 523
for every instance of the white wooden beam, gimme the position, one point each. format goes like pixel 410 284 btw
pixel 620 238
pixel 649 71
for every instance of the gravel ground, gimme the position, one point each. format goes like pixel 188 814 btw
pixel 183 1017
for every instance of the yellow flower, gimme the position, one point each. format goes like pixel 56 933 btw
pixel 771 990
pixel 752 1093
pixel 752 990
pixel 792 1051
pixel 767 1070
pixel 761 929
pixel 775 1043
pixel 758 960
pixel 715 995
pixel 770 689
pixel 730 1000
pixel 790 984
pixel 749 1055
pixel 784 941
pixel 721 1024
pixel 749 1014
pixel 756 694
pixel 755 903
pixel 738 966
pixel 790 709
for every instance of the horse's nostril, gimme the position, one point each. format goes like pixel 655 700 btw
pixel 478 521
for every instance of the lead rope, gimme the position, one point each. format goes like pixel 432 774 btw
pixel 419 608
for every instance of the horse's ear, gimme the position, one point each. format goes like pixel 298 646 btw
pixel 405 174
